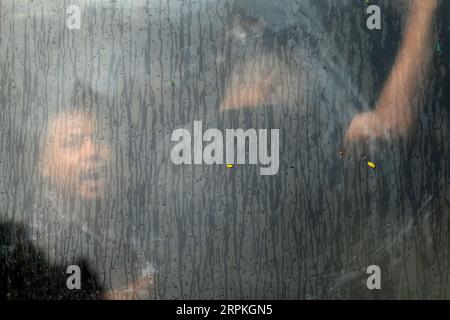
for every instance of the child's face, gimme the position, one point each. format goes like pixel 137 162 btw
pixel 74 160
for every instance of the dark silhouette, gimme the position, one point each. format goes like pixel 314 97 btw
pixel 25 274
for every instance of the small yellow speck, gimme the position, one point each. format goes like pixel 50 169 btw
pixel 371 164
pixel 229 166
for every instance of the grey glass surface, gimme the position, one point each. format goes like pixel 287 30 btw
pixel 138 70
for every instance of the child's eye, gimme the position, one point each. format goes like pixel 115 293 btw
pixel 72 143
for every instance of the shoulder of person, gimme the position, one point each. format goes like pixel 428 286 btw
pixel 24 273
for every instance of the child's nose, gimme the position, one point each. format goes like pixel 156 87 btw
pixel 91 151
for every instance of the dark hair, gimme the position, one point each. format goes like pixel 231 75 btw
pixel 24 274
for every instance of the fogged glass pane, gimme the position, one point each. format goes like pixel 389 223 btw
pixel 224 149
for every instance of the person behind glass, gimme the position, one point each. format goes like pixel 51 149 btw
pixel 398 106
pixel 74 164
